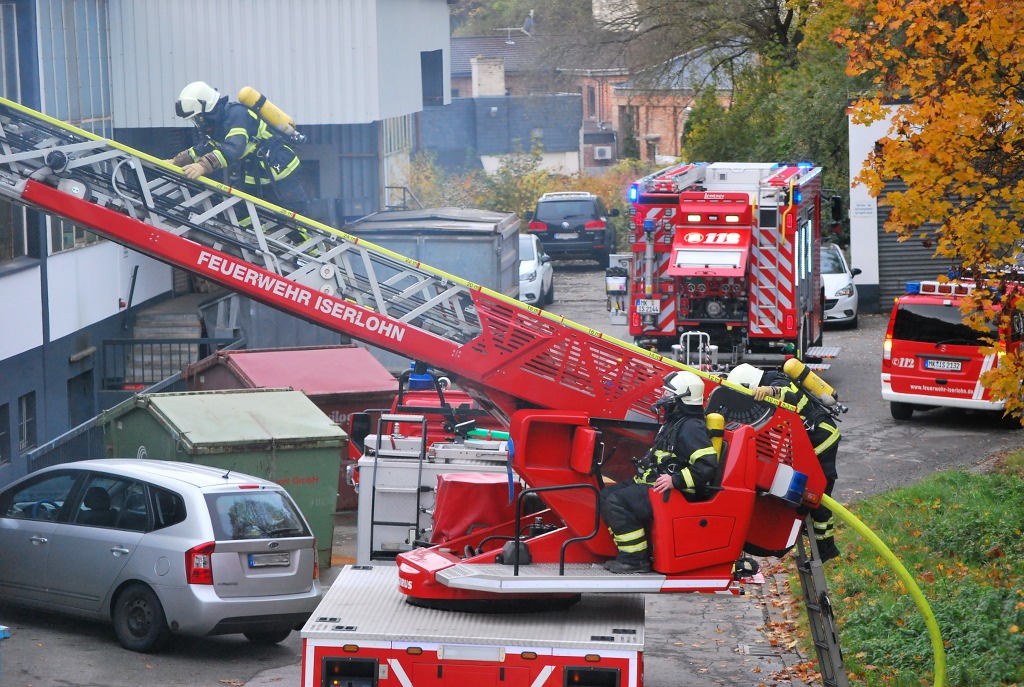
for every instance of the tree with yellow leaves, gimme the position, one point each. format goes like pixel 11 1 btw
pixel 951 74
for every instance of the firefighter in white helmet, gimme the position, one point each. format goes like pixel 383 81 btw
pixel 821 428
pixel 682 458
pixel 235 138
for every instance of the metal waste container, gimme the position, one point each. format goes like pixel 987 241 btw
pixel 277 434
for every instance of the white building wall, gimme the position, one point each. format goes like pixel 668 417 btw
pixel 84 286
pixel 864 208
pixel 322 61
pixel 20 308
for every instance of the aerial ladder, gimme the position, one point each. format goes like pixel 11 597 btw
pixel 577 402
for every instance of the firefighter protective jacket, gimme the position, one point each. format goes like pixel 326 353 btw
pixel 235 134
pixel 682 449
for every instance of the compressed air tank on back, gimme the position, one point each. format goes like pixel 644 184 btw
pixel 811 383
pixel 716 429
pixel 270 112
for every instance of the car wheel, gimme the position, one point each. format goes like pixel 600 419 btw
pixel 853 323
pixel 139 620
pixel 268 637
pixel 604 260
pixel 901 411
pixel 549 297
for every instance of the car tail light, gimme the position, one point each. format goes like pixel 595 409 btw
pixel 316 560
pixel 537 226
pixel 199 564
pixel 594 224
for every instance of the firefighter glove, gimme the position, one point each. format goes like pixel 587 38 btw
pixel 763 392
pixel 201 167
pixel 181 159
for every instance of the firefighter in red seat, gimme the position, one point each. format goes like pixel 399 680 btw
pixel 821 428
pixel 682 458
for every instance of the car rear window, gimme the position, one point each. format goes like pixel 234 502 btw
pixel 255 515
pixel 555 211
pixel 935 324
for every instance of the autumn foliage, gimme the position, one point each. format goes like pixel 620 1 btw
pixel 951 75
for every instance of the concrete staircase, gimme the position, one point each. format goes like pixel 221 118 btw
pixel 176 318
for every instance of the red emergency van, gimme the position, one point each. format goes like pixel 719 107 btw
pixel 931 358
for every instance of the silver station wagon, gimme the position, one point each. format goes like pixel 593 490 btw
pixel 159 547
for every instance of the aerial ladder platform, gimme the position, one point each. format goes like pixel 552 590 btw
pixel 511 357
pixel 503 352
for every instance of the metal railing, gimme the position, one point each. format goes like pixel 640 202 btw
pixel 134 364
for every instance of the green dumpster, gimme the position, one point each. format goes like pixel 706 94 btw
pixel 277 434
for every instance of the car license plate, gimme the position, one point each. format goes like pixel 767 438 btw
pixel 648 306
pixel 566 237
pixel 269 560
pixel 943 365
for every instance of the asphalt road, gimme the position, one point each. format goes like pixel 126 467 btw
pixel 696 640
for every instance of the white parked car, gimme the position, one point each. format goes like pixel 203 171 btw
pixel 159 548
pixel 536 275
pixel 840 291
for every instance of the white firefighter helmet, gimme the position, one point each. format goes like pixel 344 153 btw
pixel 198 98
pixel 745 375
pixel 687 387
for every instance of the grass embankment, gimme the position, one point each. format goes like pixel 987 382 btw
pixel 961 536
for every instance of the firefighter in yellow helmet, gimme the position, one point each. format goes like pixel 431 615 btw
pixel 821 428
pixel 236 139
pixel 682 457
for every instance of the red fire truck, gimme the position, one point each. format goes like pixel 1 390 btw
pixel 576 403
pixel 725 263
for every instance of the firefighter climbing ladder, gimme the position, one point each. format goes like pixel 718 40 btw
pixel 501 351
pixel 506 354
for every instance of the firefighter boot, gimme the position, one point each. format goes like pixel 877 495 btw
pixel 827 549
pixel 626 563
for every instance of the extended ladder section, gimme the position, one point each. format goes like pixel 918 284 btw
pixel 819 611
pixel 504 353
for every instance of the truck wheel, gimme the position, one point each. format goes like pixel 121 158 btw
pixel 268 637
pixel 901 411
pixel 139 620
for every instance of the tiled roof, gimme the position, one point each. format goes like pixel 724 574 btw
pixel 518 49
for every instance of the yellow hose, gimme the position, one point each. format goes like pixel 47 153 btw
pixel 915 591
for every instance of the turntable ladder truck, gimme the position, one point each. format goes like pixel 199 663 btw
pixel 577 403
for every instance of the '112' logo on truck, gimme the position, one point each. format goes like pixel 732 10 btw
pixel 715 237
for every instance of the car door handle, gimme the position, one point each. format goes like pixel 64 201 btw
pixel 120 551
pixel 38 540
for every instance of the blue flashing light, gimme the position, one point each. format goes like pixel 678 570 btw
pixel 798 196
pixel 913 287
pixel 648 225
pixel 805 165
pixel 634 193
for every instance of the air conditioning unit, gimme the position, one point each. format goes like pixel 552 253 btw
pixel 602 152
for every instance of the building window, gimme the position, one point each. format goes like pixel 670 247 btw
pixel 5 434
pixel 27 421
pixel 64 236
pixel 398 134
pixel 591 101
pixel 13 233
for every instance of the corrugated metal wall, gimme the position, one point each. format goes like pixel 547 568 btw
pixel 322 61
pixel 910 260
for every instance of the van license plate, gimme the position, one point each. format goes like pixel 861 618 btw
pixel 566 237
pixel 269 560
pixel 648 306
pixel 943 365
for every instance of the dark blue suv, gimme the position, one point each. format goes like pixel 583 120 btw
pixel 574 225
